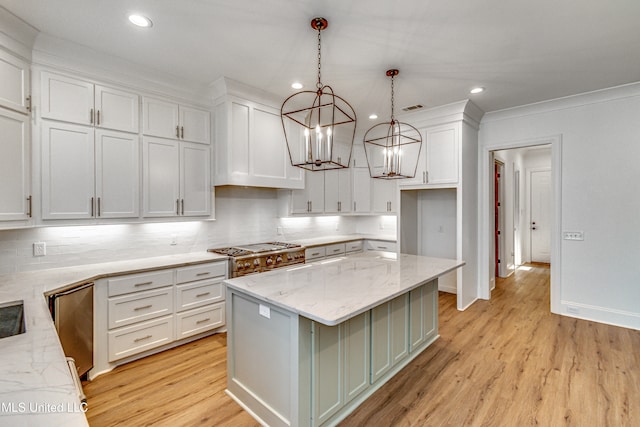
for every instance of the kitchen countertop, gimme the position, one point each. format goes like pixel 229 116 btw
pixel 335 290
pixel 327 240
pixel 36 387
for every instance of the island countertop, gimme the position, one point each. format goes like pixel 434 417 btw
pixel 332 291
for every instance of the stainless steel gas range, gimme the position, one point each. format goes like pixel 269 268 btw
pixel 260 257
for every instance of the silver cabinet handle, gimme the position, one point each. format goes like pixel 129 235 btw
pixel 336 250
pixel 142 338
pixel 182 206
pixel 29 206
pixel 177 206
pixel 144 307
pixel 143 284
pixel 339 206
pixel 91 116
pixel 182 132
pixel 28 102
pixel 382 247
pixel 92 207
pixel 204 294
pixel 315 254
pixel 203 321
pixel 426 177
pixel 99 206
pixel 98 119
pixel 178 132
pixel 206 273
pixel 354 207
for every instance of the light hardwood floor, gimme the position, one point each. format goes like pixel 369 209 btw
pixel 504 362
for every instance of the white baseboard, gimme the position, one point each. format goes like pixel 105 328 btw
pixel 622 318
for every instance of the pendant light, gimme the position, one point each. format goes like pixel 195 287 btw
pixel 319 126
pixel 392 148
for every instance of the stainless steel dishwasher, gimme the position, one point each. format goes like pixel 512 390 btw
pixel 72 313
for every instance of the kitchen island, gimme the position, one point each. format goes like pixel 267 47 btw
pixel 308 344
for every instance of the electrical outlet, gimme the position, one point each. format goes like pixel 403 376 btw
pixel 279 231
pixel 264 311
pixel 573 235
pixel 174 239
pixel 39 249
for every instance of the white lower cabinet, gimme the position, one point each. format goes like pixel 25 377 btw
pixel 317 253
pixel 380 245
pixel 138 313
pixel 389 332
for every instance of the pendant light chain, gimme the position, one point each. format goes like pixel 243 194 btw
pixel 392 101
pixel 319 84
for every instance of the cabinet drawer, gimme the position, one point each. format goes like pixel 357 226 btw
pixel 135 339
pixel 199 320
pixel 314 253
pixel 197 294
pixel 381 245
pixel 128 309
pixel 199 272
pixel 335 250
pixel 354 246
pixel 139 282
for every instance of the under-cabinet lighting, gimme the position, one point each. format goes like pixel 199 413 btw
pixel 140 21
pixel 329 261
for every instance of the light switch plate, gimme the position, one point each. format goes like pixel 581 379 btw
pixel 264 311
pixel 573 235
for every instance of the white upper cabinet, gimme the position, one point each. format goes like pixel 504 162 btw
pixel 443 154
pixel 251 148
pixel 73 100
pixel 15 196
pixel 383 196
pixel 176 178
pixel 361 194
pixel 168 119
pixel 337 191
pixel 87 173
pixel 14 83
pixel 310 199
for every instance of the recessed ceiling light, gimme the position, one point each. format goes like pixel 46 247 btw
pixel 296 85
pixel 373 116
pixel 140 20
pixel 477 90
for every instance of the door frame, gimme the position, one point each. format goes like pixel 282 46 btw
pixel 486 278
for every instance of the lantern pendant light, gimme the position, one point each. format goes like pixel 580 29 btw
pixel 392 148
pixel 319 126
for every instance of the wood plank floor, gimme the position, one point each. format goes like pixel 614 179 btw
pixel 504 362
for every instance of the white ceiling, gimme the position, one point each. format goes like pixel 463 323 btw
pixel 520 51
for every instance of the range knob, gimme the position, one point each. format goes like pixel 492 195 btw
pixel 289 258
pixel 240 266
pixel 256 262
pixel 279 259
pixel 247 264
pixel 269 261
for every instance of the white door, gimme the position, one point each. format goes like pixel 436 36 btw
pixel 67 171
pixel 161 177
pixel 160 118
pixel 195 185
pixel 195 125
pixel 541 216
pixel 67 99
pixel 14 82
pixel 116 109
pixel 14 166
pixel 117 171
pixel 361 190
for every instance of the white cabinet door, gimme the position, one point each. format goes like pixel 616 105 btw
pixel 357 355
pixel 14 83
pixel 442 154
pixel 195 187
pixel 361 190
pixel 14 166
pixel 160 118
pixel 161 177
pixel 66 99
pixel 195 125
pixel 337 191
pixel 117 172
pixel 327 371
pixel 67 171
pixel 268 155
pixel 389 336
pixel 311 198
pixel 423 311
pixel 383 194
pixel 116 109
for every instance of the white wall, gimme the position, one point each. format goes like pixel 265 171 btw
pixel 244 215
pixel 600 132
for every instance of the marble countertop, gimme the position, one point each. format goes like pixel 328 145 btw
pixel 327 240
pixel 335 290
pixel 36 387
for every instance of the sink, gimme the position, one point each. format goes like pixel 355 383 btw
pixel 12 319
